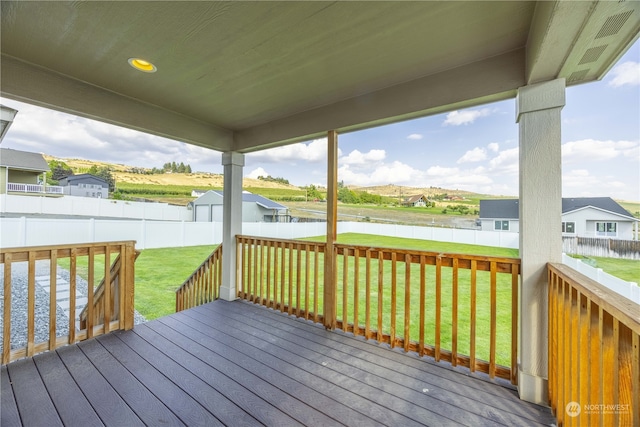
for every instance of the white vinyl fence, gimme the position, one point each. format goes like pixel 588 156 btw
pixel 35 231
pixel 629 290
pixel 92 207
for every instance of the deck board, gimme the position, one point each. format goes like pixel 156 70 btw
pixel 9 415
pixel 63 389
pixel 235 363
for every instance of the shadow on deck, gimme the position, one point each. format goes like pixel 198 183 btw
pixel 235 363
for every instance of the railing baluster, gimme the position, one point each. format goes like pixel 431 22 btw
pixel 438 305
pixel 454 314
pixel 53 272
pixel 514 323
pixel 268 301
pixel 492 344
pixel 345 288
pixel 423 298
pixel 380 291
pixel 290 282
pixel 307 284
pixel 356 291
pixel 392 339
pixel 31 304
pixel 298 278
pixel 407 301
pixel 107 289
pixel 472 332
pixel 316 283
pixel 90 291
pixel 367 314
pixel 283 276
pixel 6 318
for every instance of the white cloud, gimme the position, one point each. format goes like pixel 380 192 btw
pixel 415 136
pixel 394 173
pixel 257 172
pixel 627 73
pixel 457 118
pixel 595 150
pixel 357 158
pixel 506 161
pixel 494 146
pixel 582 183
pixel 476 155
pixel 314 151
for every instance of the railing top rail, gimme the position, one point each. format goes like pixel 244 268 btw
pixel 625 310
pixel 63 251
pixel 401 251
pixel 274 240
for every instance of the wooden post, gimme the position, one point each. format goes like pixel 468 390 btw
pixel 332 231
pixel 129 259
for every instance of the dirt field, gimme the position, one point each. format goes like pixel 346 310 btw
pixel 399 215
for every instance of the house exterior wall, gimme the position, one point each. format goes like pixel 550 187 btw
pixel 3 180
pixel 585 223
pixel 23 177
pixel 87 190
pixel 489 225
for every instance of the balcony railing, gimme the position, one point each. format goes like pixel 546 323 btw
pixel 34 188
pixel 203 285
pixel 116 311
pixel 456 308
pixel 594 352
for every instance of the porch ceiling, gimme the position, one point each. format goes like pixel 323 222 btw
pixel 250 75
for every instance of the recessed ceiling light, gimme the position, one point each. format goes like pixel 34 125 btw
pixel 142 65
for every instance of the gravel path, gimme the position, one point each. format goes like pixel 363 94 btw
pixel 19 300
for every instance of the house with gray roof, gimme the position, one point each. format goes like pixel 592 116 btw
pixel 85 185
pixel 581 216
pixel 24 173
pixel 255 208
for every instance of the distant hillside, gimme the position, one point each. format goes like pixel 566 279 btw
pixel 197 179
pixel 396 191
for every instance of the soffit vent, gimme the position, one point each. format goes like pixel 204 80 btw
pixel 576 76
pixel 592 55
pixel 613 24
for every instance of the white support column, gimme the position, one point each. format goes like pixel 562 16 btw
pixel 538 115
pixel 231 221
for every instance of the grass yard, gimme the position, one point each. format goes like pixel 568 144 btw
pixel 625 269
pixel 159 272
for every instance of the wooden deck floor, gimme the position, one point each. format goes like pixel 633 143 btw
pixel 234 363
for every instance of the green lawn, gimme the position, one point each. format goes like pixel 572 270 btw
pixel 625 269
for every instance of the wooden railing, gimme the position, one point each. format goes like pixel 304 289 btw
pixel 460 309
pixel 96 257
pixel 203 285
pixel 95 313
pixel 282 274
pixel 594 352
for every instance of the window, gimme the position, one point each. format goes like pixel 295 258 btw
pixel 501 225
pixel 569 227
pixel 607 229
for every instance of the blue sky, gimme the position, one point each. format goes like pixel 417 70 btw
pixel 474 149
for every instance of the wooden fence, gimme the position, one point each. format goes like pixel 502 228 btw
pixel 117 307
pixel 602 247
pixel 456 308
pixel 594 352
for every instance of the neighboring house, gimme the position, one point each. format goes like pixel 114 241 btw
pixel 416 201
pixel 85 185
pixel 22 172
pixel 255 208
pixel 581 216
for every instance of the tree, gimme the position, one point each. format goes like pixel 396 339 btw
pixel 187 169
pixel 313 193
pixel 104 173
pixel 58 170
